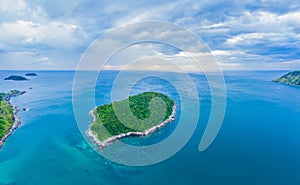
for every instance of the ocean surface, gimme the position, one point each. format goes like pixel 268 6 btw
pixel 258 144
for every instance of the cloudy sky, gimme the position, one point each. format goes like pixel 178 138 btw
pixel 251 35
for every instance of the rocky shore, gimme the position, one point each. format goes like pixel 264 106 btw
pixel 17 123
pixel 110 140
pixel 16 119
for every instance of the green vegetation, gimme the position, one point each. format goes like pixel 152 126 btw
pixel 16 78
pixel 12 93
pixel 6 116
pixel 144 111
pixel 7 111
pixel 292 78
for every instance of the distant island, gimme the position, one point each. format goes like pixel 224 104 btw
pixel 16 78
pixel 106 127
pixel 30 74
pixel 9 120
pixel 291 78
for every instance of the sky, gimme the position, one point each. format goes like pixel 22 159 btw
pixel 242 35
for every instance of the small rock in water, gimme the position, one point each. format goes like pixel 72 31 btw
pixel 25 109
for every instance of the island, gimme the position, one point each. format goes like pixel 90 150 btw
pixel 9 121
pixel 30 74
pixel 107 128
pixel 291 78
pixel 16 78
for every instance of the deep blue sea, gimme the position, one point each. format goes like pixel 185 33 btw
pixel 258 144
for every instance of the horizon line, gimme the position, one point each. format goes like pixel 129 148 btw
pixel 145 70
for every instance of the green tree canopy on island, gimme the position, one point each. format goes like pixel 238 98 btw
pixel 108 124
pixel 7 111
pixel 291 78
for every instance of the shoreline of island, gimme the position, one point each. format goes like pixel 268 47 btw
pixel 17 123
pixel 110 140
pixel 290 78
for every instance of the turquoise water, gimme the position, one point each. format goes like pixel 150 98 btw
pixel 259 142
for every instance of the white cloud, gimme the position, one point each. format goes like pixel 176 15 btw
pixel 250 38
pixel 266 27
pixel 234 31
pixel 254 38
pixel 16 6
pixel 52 34
pixel 26 26
pixel 45 61
pixel 264 22
pixel 226 52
